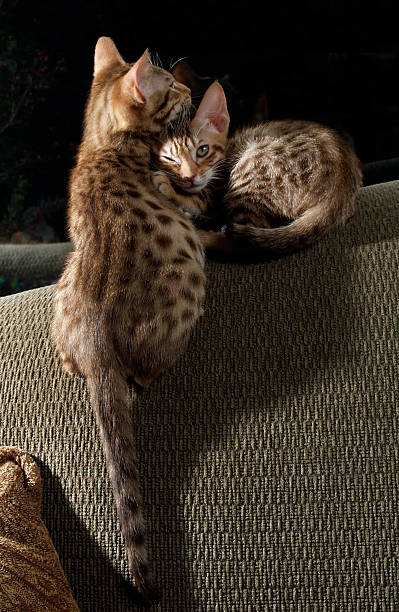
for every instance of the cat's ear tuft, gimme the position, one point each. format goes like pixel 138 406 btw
pixel 212 113
pixel 135 82
pixel 106 55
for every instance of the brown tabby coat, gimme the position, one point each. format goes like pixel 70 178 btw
pixel 289 182
pixel 134 285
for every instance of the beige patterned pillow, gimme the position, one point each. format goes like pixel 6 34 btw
pixel 31 576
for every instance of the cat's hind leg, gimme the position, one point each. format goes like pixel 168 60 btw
pixel 219 242
pixel 145 380
pixel 68 363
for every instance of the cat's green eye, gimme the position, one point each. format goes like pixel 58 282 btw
pixel 202 151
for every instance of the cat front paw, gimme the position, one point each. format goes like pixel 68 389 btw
pixel 162 184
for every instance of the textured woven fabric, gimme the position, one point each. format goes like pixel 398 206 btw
pixel 269 452
pixel 31 577
pixel 30 265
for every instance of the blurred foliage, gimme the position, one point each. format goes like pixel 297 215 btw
pixel 30 152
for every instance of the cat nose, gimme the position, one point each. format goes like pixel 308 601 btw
pixel 190 179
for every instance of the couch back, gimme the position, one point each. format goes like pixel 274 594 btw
pixel 268 453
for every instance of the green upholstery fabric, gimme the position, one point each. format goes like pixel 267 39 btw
pixel 269 452
pixel 31 265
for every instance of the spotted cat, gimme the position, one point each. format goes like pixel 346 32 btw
pixel 286 182
pixel 133 287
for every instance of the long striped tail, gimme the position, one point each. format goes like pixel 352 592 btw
pixel 109 394
pixel 301 232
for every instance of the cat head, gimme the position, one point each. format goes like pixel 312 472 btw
pixel 192 159
pixel 130 97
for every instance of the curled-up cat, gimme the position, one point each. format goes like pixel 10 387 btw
pixel 288 182
pixel 133 287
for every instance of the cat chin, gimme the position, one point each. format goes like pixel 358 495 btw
pixel 195 188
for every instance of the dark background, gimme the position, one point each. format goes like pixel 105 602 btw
pixel 334 62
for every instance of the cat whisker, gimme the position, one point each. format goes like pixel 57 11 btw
pixel 176 62
pixel 155 59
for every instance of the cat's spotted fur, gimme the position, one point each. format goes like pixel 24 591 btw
pixel 133 287
pixel 288 182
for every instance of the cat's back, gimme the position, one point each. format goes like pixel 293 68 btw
pixel 289 137
pixel 302 152
pixel 287 166
pixel 136 271
pixel 98 181
pixel 128 239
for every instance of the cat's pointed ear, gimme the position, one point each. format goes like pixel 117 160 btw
pixel 212 113
pixel 106 54
pixel 137 81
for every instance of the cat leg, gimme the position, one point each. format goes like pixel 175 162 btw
pixel 162 183
pixel 145 381
pixel 194 203
pixel 68 363
pixel 218 241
